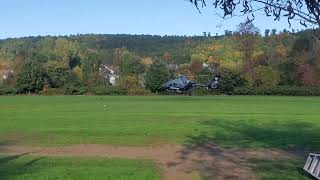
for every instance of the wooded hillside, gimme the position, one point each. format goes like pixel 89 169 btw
pixel 71 63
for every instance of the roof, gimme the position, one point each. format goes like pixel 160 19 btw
pixel 5 73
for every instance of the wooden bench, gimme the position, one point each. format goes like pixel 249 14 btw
pixel 312 165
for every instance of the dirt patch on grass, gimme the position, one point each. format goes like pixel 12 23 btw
pixel 207 161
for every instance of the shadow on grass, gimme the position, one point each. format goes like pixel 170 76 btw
pixel 8 142
pixel 3 145
pixel 228 145
pixel 295 135
pixel 280 169
pixel 13 166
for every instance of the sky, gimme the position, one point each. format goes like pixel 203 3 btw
pixel 20 18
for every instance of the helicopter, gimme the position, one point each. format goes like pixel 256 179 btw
pixel 182 85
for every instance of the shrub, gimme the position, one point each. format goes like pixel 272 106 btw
pixel 266 76
pixel 108 90
pixel 157 75
pixel 74 86
pixel 74 90
pixel 57 73
pixel 7 90
pixel 31 78
pixel 201 92
pixel 133 86
pixel 138 91
pixel 53 92
pixel 278 91
pixel 230 80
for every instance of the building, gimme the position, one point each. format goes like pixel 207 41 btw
pixel 5 74
pixel 109 74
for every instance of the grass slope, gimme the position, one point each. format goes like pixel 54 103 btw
pixel 45 168
pixel 249 122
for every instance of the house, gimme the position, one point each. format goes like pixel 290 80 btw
pixel 5 74
pixel 109 73
pixel 173 66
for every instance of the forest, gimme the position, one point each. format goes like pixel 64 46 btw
pixel 249 62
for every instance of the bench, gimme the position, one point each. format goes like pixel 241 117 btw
pixel 312 165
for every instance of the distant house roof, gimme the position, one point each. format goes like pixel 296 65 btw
pixel 4 74
pixel 110 73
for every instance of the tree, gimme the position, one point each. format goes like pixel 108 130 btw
pixel 90 63
pixel 129 82
pixel 306 11
pixel 247 28
pixel 74 86
pixel 196 66
pixel 74 62
pixel 133 86
pixel 266 76
pixel 204 76
pixel 147 61
pixel 31 77
pixel 228 33
pixel 308 67
pixel 57 73
pixel 204 34
pixel 157 75
pixel 288 74
pixel 167 57
pixel 247 37
pixel 229 80
pixel 130 64
pixel 46 47
pixel 78 72
pixel 65 50
pixel 184 69
pixel 267 32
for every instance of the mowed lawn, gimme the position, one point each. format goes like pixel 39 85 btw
pixel 230 121
pixel 47 168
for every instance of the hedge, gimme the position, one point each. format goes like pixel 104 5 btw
pixel 278 91
pixel 7 90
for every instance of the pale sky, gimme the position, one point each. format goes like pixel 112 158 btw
pixel 21 18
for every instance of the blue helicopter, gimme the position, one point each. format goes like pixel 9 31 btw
pixel 182 85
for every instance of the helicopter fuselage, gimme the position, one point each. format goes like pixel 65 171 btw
pixel 183 85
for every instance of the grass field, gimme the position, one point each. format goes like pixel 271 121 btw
pixel 251 122
pixel 290 123
pixel 46 168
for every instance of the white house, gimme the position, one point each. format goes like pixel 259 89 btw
pixel 109 73
pixel 5 74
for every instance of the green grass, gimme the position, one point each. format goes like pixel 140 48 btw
pixel 286 169
pixel 233 121
pixel 47 168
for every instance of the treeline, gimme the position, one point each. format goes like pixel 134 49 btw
pixel 286 63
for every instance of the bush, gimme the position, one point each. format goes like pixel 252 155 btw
pixel 7 90
pixel 138 91
pixel 53 92
pixel 201 92
pixel 75 90
pixel 278 91
pixel 74 86
pixel 31 78
pixel 108 90
pixel 156 75
pixel 230 80
pixel 57 73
